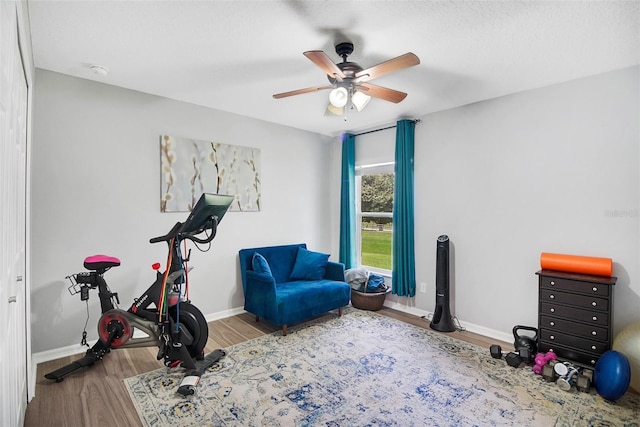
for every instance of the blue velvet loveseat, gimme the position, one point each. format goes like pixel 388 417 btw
pixel 289 284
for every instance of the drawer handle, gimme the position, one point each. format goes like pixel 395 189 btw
pixel 593 347
pixel 553 283
pixel 594 318
pixel 551 296
pixel 552 337
pixel 553 310
pixel 594 333
pixel 552 323
pixel 595 289
pixel 593 304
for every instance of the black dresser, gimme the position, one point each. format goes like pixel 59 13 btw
pixel 575 315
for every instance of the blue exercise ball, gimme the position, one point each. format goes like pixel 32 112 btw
pixel 612 375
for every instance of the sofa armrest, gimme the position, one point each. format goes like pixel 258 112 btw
pixel 334 271
pixel 260 294
pixel 260 281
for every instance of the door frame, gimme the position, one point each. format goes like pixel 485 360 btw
pixel 26 53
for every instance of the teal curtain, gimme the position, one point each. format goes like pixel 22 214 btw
pixel 404 265
pixel 348 202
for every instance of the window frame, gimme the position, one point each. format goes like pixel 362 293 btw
pixel 370 169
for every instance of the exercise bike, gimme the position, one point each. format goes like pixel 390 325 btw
pixel 163 312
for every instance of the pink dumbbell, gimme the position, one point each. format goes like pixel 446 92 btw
pixel 542 359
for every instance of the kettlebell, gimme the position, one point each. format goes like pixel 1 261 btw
pixel 521 341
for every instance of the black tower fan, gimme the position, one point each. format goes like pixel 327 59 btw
pixel 442 320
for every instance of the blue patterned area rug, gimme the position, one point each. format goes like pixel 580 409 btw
pixel 365 369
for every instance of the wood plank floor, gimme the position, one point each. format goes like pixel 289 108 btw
pixel 97 395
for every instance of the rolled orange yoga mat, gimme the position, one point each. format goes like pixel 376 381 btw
pixel 576 264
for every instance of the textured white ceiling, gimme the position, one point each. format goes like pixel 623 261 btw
pixel 234 55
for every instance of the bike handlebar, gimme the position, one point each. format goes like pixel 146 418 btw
pixel 171 234
pixel 176 231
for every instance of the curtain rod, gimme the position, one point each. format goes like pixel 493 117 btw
pixel 416 121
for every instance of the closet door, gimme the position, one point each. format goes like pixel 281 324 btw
pixel 13 143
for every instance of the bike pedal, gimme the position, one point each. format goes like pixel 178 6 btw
pixel 174 364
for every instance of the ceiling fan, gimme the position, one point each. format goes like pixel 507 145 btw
pixel 350 83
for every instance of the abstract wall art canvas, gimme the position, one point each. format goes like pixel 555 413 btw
pixel 191 167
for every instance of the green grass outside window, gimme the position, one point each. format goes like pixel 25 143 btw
pixel 376 249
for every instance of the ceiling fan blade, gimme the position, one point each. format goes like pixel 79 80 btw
pixel 381 92
pixel 321 59
pixel 301 91
pixel 396 64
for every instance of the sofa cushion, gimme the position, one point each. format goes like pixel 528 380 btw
pixel 280 259
pixel 309 265
pixel 259 264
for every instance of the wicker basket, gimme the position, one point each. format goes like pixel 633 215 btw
pixel 368 301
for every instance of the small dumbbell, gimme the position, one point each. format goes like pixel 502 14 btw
pixel 513 358
pixel 541 360
pixel 496 351
pixel 584 380
pixel 566 372
pixel 583 383
pixel 548 373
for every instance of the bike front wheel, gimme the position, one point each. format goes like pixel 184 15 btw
pixel 193 325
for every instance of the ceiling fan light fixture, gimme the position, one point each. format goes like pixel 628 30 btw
pixel 339 97
pixel 360 100
pixel 335 111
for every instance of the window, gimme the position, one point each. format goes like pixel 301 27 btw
pixel 374 214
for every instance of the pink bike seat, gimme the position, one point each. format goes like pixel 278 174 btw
pixel 100 262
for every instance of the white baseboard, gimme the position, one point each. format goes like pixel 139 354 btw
pixel 491 333
pixel 471 327
pixel 406 308
pixel 70 350
pixel 46 356
pixel 224 314
pixel 57 353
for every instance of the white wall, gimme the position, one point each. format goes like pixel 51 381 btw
pixel 96 189
pixel 549 170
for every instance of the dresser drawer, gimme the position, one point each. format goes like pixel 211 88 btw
pixel 575 286
pixel 566 353
pixel 587 316
pixel 584 344
pixel 580 329
pixel 575 313
pixel 582 301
